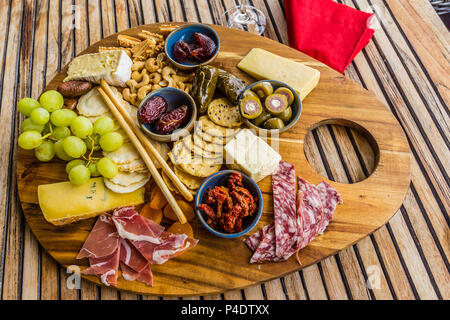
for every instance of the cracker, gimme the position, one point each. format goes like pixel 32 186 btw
pixel 223 113
pixel 137 165
pixel 207 146
pixel 212 132
pixel 190 181
pixel 203 168
pixel 91 104
pixel 168 182
pixel 125 154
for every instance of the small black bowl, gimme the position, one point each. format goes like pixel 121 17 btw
pixel 175 98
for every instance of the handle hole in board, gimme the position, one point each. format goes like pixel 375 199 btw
pixel 341 150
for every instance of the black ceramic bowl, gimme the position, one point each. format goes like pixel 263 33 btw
pixel 296 107
pixel 175 98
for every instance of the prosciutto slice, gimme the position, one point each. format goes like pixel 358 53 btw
pixel 145 275
pixel 131 257
pixel 330 199
pixel 105 267
pixel 283 187
pixel 130 225
pixel 102 241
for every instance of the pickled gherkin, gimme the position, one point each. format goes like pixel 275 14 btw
pixel 204 86
pixel 250 107
pixel 273 124
pixel 230 85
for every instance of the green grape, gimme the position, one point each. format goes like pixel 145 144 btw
pixel 74 146
pixel 111 141
pixel 60 132
pixel 30 140
pixel 28 125
pixel 81 127
pixel 40 116
pixel 51 100
pixel 93 169
pixel 107 168
pixel 89 141
pixel 45 152
pixel 26 105
pixel 74 163
pixel 103 125
pixel 79 175
pixel 62 117
pixel 59 151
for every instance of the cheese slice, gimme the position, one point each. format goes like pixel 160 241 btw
pixel 63 203
pixel 114 66
pixel 262 64
pixel 249 153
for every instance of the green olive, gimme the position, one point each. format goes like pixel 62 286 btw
pixel 276 104
pixel 249 93
pixel 261 118
pixel 286 115
pixel 263 89
pixel 287 93
pixel 274 123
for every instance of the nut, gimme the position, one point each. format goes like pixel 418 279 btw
pixel 74 88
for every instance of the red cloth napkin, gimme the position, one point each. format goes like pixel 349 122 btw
pixel 330 32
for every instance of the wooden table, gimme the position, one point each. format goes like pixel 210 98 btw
pixel 405 64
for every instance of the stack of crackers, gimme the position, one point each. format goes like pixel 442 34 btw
pixel 200 154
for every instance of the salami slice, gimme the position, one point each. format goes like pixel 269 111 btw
pixel 266 247
pixel 283 187
pixel 311 213
pixel 253 241
pixel 330 199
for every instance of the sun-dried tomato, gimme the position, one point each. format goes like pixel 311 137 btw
pixel 152 109
pixel 171 120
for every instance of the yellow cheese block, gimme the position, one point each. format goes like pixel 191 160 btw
pixel 262 64
pixel 63 202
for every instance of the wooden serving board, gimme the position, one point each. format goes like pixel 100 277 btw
pixel 216 265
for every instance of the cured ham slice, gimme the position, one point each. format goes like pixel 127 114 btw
pixel 105 267
pixel 131 257
pixel 330 199
pixel 102 241
pixel 283 187
pixel 312 211
pixel 145 275
pixel 130 225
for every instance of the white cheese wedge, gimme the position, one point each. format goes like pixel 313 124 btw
pixel 262 64
pixel 251 154
pixel 113 66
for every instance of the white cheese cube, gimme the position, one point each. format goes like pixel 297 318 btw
pixel 252 155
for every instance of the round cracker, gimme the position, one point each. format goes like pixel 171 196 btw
pixel 190 181
pixel 91 104
pixel 117 188
pixel 137 165
pixel 207 146
pixel 222 112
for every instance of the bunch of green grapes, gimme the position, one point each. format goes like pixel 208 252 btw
pixel 53 131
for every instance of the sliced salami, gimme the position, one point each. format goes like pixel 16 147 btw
pixel 266 247
pixel 330 199
pixel 311 213
pixel 283 187
pixel 253 241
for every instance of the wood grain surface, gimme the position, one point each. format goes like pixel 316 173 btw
pixel 216 264
pixel 406 259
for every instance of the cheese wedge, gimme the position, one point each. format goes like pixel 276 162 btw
pixel 63 203
pixel 113 66
pixel 262 64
